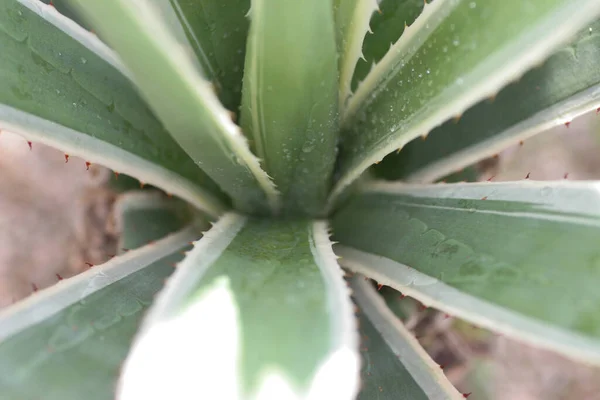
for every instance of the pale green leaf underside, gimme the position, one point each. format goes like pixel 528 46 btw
pixel 244 302
pixel 171 82
pixel 351 24
pixel 217 31
pixel 488 253
pixel 68 341
pixel 289 104
pixel 395 366
pixel 455 54
pixel 567 85
pixel 47 74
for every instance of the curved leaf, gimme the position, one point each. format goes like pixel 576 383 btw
pixel 387 26
pixel 153 45
pixel 396 365
pixel 456 53
pixel 351 23
pixel 68 341
pixel 289 104
pixel 61 86
pixel 518 258
pixel 566 86
pixel 217 31
pixel 240 309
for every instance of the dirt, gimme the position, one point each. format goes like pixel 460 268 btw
pixel 55 217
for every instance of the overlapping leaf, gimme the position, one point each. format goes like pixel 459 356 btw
pixel 240 310
pixel 59 85
pixel 567 85
pixel 68 341
pixel 456 53
pixel 487 253
pixel 153 43
pixel 289 105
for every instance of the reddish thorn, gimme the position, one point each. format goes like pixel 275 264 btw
pixel 490 178
pixel 566 175
pixel 116 175
pixel 124 249
pixel 30 145
pixel 34 287
pixel 66 158
pixel 521 143
pixel 401 296
pixel 465 395
pixel 446 316
pixel 111 255
pixel 422 307
pixel 442 366
pixel 484 198
pixel 51 4
pixel 379 286
pixel 174 265
pixel 598 110
pixel 366 278
pixel 87 165
pixel 60 278
pixel 169 194
pixel 142 184
pixel 528 175
pixel 151 242
pixel 567 124
pixel 496 156
pixel 89 264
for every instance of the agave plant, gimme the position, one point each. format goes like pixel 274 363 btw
pixel 260 116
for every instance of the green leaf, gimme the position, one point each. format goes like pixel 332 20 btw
pixel 258 309
pixel 387 26
pixel 566 86
pixel 395 366
pixel 59 85
pixel 147 216
pixel 518 258
pixel 217 31
pixel 455 54
pixel 289 103
pixel 153 46
pixel 68 341
pixel 351 23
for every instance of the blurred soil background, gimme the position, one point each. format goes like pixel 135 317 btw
pixel 56 219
